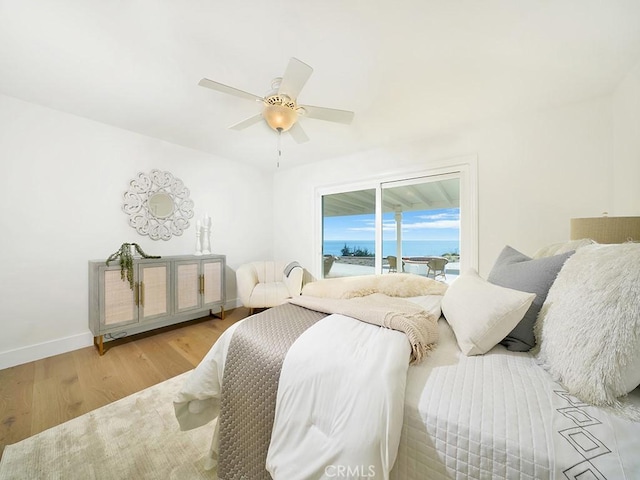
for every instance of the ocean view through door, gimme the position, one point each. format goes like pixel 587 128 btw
pixel 349 233
pixel 410 225
pixel 421 225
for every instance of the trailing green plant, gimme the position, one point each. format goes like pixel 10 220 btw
pixel 126 260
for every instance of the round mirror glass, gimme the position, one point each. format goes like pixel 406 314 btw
pixel 160 205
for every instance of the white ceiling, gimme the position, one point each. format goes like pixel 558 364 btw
pixel 409 68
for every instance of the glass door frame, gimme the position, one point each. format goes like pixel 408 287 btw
pixel 419 180
pixel 465 167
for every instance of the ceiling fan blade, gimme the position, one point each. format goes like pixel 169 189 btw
pixel 298 134
pixel 328 114
pixel 205 82
pixel 247 122
pixel 295 77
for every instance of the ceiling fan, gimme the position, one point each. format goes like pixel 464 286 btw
pixel 280 109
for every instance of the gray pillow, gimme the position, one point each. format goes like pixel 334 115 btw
pixel 515 270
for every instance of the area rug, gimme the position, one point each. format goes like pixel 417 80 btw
pixel 136 437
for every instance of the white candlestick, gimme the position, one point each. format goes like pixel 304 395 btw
pixel 198 242
pixel 206 241
pixel 206 234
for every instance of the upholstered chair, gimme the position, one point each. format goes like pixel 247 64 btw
pixel 267 283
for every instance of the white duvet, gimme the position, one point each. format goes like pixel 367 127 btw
pixel 494 416
pixel 324 426
pixel 340 402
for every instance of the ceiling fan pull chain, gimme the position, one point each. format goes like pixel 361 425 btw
pixel 279 146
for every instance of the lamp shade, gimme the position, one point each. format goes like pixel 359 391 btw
pixel 606 229
pixel 280 117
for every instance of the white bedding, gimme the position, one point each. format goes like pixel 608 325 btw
pixel 321 427
pixel 339 356
pixel 198 402
pixel 497 416
pixel 500 416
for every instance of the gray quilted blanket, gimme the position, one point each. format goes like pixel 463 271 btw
pixel 251 373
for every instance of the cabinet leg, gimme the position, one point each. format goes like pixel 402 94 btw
pixel 98 342
pixel 220 314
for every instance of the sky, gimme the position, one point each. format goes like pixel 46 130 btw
pixel 443 224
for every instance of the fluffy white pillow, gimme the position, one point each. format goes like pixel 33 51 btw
pixel 588 329
pixel 562 247
pixel 480 313
pixel 396 285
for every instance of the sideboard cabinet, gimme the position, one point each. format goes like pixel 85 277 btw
pixel 166 291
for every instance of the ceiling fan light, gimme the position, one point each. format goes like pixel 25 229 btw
pixel 279 117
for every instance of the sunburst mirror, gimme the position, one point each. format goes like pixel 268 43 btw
pixel 158 205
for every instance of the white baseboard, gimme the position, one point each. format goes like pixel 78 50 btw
pixel 38 351
pixel 31 353
pixel 231 304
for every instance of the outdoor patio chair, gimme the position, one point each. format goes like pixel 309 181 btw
pixel 327 263
pixel 436 266
pixel 393 263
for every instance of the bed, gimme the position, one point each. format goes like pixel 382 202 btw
pixel 350 399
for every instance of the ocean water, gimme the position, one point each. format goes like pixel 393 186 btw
pixel 410 248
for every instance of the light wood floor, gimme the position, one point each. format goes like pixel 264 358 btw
pixel 41 394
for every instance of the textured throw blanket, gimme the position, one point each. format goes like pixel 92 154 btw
pixel 420 326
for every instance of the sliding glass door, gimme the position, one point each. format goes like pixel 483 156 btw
pixel 421 226
pixel 349 233
pixel 406 224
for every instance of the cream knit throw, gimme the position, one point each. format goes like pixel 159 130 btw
pixel 420 326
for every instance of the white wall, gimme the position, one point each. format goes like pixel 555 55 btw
pixel 63 178
pixel 535 173
pixel 626 152
pixel 62 182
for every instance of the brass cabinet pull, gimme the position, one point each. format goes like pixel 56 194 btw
pixel 142 293
pixel 136 292
pixel 201 284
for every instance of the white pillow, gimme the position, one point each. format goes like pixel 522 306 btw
pixel 480 313
pixel 562 247
pixel 588 329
